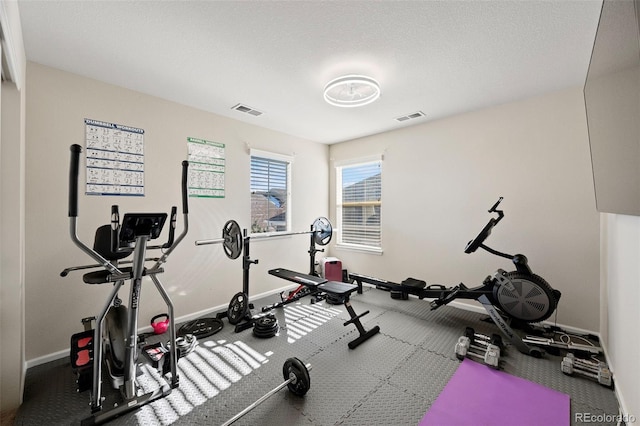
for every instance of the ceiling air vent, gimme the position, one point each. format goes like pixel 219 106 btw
pixel 246 109
pixel 410 116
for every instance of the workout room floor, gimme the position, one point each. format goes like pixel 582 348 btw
pixel 391 379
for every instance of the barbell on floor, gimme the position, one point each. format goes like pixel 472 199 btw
pixel 232 236
pixel 296 375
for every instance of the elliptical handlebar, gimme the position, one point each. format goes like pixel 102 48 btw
pixel 185 207
pixel 74 168
pixel 185 195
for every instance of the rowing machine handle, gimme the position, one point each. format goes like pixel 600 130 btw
pixel 495 206
pixel 185 195
pixel 74 167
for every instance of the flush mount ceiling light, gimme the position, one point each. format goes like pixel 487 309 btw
pixel 351 91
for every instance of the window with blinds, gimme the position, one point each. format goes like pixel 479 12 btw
pixel 358 204
pixel 269 194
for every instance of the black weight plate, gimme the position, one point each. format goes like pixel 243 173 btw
pixel 232 239
pixel 496 339
pixel 201 328
pixel 238 308
pixel 333 299
pixel 265 327
pixel 322 231
pixel 295 367
pixel 266 322
pixel 470 333
pixel 265 335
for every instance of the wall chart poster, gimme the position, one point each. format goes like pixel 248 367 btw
pixel 114 159
pixel 206 168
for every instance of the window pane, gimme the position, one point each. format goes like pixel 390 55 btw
pixel 268 195
pixel 361 225
pixel 361 202
pixel 361 183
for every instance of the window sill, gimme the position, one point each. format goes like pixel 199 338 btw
pixel 363 249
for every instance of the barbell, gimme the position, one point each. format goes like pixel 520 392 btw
pixel 296 375
pixel 232 236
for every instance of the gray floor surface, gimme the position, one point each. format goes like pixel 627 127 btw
pixel 391 379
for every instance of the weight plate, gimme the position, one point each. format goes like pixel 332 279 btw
pixel 265 334
pixel 333 299
pixel 201 328
pixel 294 368
pixel 238 308
pixel 266 326
pixel 266 322
pixel 470 333
pixel 232 239
pixel 496 339
pixel 322 231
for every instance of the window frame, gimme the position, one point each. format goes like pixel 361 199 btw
pixel 339 166
pixel 273 157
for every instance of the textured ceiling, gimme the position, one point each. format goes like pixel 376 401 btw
pixel 438 57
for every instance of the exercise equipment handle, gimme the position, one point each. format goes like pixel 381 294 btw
pixel 478 241
pixel 495 206
pixel 115 228
pixel 185 194
pixel 172 227
pixel 74 167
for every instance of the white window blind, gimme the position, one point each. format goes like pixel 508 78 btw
pixel 269 194
pixel 359 202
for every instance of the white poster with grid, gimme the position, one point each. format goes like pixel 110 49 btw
pixel 206 168
pixel 114 155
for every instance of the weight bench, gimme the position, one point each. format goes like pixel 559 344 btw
pixel 337 289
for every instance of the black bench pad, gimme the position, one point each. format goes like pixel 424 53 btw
pixel 297 277
pixel 337 288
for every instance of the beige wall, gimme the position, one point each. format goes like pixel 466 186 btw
pixel 440 178
pixel 621 287
pixel 12 208
pixel 12 300
pixel 197 278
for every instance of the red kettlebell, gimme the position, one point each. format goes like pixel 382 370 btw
pixel 160 327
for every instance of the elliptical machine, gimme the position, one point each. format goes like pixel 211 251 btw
pixel 116 326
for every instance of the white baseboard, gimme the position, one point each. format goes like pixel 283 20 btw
pixel 65 352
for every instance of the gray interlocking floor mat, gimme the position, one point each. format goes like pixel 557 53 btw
pixel 391 379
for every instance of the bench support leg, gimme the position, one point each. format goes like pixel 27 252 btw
pixel 355 319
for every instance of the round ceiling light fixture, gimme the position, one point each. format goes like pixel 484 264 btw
pixel 351 91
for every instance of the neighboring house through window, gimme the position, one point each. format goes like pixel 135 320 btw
pixel 358 202
pixel 270 192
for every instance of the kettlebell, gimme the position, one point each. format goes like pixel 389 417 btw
pixel 160 327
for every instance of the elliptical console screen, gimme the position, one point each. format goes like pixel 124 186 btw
pixel 139 224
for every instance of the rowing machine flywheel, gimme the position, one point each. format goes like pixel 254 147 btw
pixel 524 297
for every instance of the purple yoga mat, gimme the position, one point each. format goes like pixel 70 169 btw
pixel 478 395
